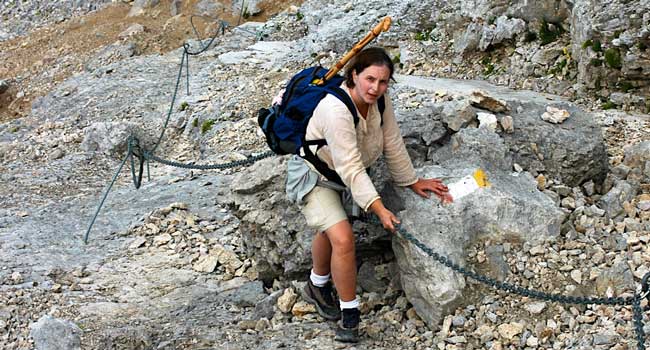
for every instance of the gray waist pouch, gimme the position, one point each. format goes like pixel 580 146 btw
pixel 301 179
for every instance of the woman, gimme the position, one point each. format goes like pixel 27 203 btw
pixel 349 151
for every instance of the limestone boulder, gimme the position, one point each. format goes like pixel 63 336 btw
pixel 53 333
pixel 510 210
pixel 274 231
pixel 614 35
pixel 572 152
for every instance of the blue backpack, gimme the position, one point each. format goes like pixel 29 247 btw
pixel 285 125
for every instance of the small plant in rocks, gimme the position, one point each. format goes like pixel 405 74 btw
pixel 597 46
pixel 625 86
pixel 613 58
pixel 424 35
pixel 596 62
pixel 207 125
pixel 488 67
pixel 608 105
pixel 549 32
pixel 642 46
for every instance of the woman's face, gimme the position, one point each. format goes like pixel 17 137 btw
pixel 371 83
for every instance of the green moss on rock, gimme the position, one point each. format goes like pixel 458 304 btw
pixel 613 58
pixel 206 126
pixel 608 105
pixel 549 32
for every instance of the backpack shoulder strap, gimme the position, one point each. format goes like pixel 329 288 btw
pixel 337 92
pixel 381 103
pixel 320 165
pixel 311 157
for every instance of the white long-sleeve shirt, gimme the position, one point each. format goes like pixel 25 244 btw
pixel 350 151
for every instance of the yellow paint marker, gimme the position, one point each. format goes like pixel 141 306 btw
pixel 481 178
pixel 468 184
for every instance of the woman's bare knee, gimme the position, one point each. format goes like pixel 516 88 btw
pixel 341 237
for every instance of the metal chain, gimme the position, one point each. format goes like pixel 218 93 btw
pixel 634 301
pixel 134 150
pixel 233 164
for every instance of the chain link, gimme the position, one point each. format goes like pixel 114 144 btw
pixel 634 301
pixel 233 164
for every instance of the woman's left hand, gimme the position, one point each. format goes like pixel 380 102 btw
pixel 424 186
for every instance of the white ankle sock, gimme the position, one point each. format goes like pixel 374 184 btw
pixel 354 304
pixel 318 280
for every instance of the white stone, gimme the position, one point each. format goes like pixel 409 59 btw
pixel 162 239
pixel 287 300
pixel 302 308
pixel 507 124
pixel 555 115
pixel 643 205
pixel 535 308
pixel 641 271
pixel 510 330
pixel 576 275
pixel 537 250
pixel 532 341
pixel 17 277
pixel 487 120
pixel 134 29
pixel 206 264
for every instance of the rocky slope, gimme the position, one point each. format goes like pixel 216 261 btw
pixel 167 267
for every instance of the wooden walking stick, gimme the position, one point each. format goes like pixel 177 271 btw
pixel 383 26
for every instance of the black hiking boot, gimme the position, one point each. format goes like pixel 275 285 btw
pixel 348 330
pixel 322 298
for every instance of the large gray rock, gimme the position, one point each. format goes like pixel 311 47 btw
pixel 572 152
pixel 507 28
pixel 51 333
pixel 550 10
pixel 458 114
pixel 274 230
pixel 209 7
pixel 620 27
pixel 517 212
pixel 504 29
pixel 108 137
pixel 612 201
pixel 469 39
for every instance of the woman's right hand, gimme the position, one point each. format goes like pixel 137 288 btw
pixel 387 218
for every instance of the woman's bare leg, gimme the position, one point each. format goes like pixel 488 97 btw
pixel 321 254
pixel 343 260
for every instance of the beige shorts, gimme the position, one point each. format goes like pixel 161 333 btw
pixel 323 208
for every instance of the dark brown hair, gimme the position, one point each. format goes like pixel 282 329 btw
pixel 366 58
